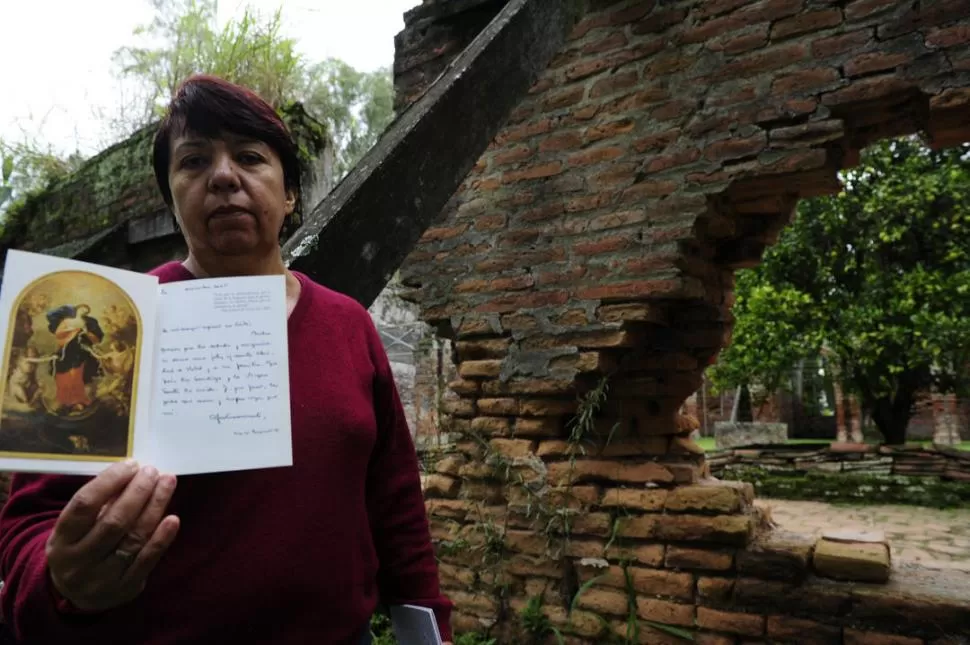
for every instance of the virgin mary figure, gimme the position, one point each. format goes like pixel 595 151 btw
pixel 74 366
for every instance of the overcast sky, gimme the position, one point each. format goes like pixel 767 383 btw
pixel 57 73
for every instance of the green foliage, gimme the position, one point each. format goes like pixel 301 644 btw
pixel 27 167
pixel 252 50
pixel 853 488
pixel 536 623
pixel 474 638
pixel 877 278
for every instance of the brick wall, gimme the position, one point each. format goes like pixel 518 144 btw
pixel 584 272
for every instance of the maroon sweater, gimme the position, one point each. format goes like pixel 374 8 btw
pixel 281 555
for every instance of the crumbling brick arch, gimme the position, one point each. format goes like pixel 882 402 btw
pixel 585 270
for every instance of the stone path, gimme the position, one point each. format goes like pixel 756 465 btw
pixel 931 537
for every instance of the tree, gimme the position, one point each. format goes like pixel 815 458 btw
pixel 252 51
pixel 28 166
pixel 878 275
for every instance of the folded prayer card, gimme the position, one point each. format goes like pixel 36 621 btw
pixel 414 625
pixel 103 364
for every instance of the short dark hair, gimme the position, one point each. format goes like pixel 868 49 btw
pixel 207 106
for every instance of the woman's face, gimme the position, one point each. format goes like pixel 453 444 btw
pixel 228 194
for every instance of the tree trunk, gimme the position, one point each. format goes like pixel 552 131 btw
pixel 892 415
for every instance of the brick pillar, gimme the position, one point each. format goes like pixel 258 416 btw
pixel 946 431
pixel 558 481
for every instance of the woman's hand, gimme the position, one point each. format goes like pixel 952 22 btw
pixel 111 535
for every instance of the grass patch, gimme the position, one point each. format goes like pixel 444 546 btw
pixel 707 443
pixel 853 488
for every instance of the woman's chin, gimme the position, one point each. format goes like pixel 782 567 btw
pixel 236 243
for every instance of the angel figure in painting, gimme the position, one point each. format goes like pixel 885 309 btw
pixel 23 385
pixel 117 364
pixel 76 332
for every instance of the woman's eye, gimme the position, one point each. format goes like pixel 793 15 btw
pixel 192 161
pixel 250 157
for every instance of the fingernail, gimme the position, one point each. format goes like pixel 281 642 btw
pixel 130 464
pixel 149 470
pixel 167 481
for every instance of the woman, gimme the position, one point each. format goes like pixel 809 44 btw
pixel 288 555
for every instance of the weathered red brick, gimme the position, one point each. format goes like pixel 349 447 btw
pixel 617 220
pixel 616 175
pixel 605 601
pixel 610 129
pixel 632 289
pixel 588 470
pixel 806 22
pixel 728 95
pixel 682 557
pixel 601 246
pixel 546 407
pixel 537 427
pixel 526 130
pixel 561 141
pixel 668 613
pixel 734 148
pixel 712 8
pixel 874 62
pixel 634 498
pixel 614 83
pixel 859 9
pixel 764 11
pixel 673 160
pixel 588 202
pixel 490 222
pixel 513 155
pixel 633 12
pixel 724 529
pixel 548 169
pixel 635 101
pixel 766 60
pixel 676 109
pixel 714 590
pixel 837 45
pixel 648 189
pixel 564 98
pixel 443 233
pixel 477 285
pixel 798 630
pixel 441 486
pixel 859 637
pixel 595 155
pixel 513 302
pixel 660 20
pixel 655 142
pixel 732 622
pixel 948 36
pixel 735 43
pixel 807 80
pixel 614 40
pixel 868 89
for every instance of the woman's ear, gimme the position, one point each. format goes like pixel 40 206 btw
pixel 290 202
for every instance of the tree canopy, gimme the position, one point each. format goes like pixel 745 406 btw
pixel 185 38
pixel 877 277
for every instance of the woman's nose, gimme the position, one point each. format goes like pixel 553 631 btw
pixel 223 176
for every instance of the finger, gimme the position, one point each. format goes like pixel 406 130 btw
pixel 120 516
pixel 81 513
pixel 151 515
pixel 152 552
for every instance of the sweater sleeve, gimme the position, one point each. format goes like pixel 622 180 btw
pixel 30 605
pixel 408 572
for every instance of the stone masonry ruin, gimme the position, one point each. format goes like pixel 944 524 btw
pixel 584 274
